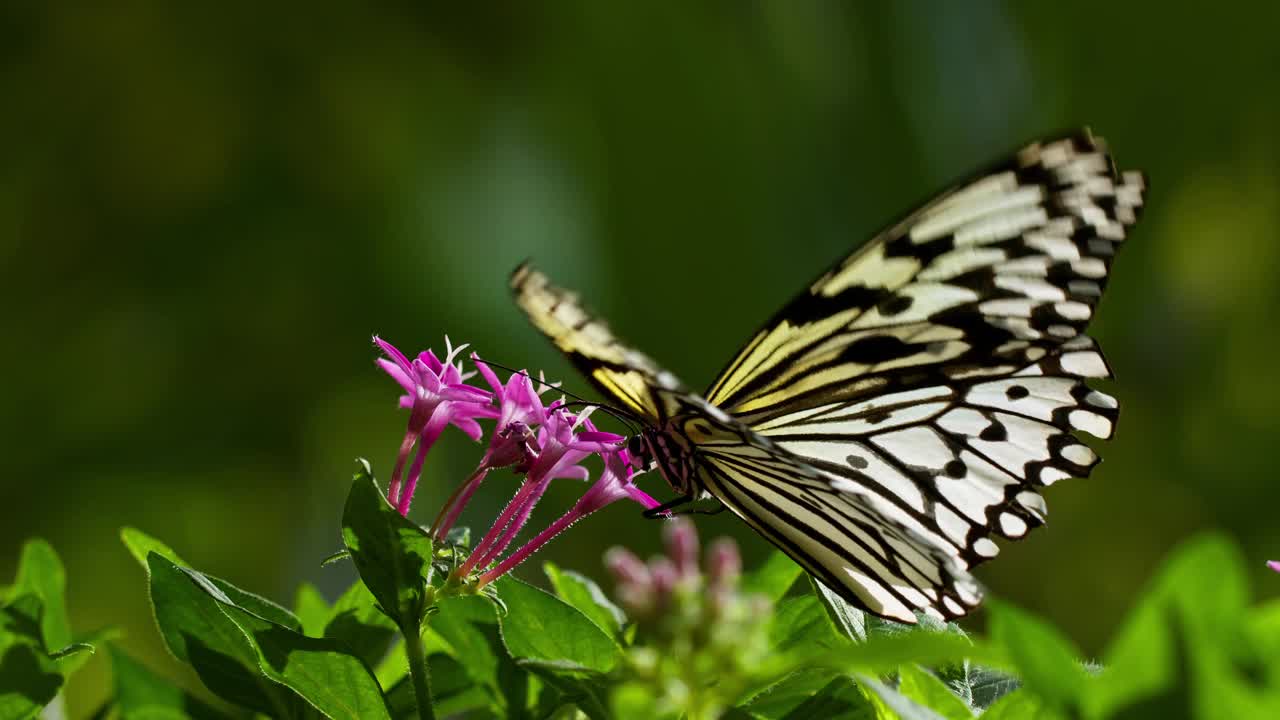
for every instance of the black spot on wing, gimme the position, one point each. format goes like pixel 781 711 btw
pixel 877 349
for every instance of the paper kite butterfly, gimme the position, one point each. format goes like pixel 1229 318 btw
pixel 908 406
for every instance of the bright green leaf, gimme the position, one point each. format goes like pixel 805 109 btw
pixel 893 704
pixel 1045 660
pixel 198 632
pixel 773 578
pixel 1023 705
pixel 802 622
pixel 311 609
pixel 40 573
pixel 839 699
pixel 540 626
pixel 584 594
pixel 851 621
pixel 926 689
pixel 140 545
pixel 392 554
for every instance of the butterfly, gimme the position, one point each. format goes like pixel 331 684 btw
pixel 907 407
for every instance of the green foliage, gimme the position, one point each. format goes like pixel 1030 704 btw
pixel 1191 648
pixel 37 650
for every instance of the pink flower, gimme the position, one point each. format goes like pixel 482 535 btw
pixel 1274 565
pixel 437 396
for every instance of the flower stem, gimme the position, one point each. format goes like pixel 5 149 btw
pixel 457 501
pixel 560 525
pixel 418 672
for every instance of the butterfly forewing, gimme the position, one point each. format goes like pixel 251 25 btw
pixel 941 366
pixel 618 370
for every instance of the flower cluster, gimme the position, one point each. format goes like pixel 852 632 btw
pixel 708 638
pixel 542 442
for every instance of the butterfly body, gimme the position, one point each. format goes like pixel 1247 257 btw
pixel 910 404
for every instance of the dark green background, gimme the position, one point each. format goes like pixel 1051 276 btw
pixel 205 213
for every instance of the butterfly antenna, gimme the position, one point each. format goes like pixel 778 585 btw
pixel 626 417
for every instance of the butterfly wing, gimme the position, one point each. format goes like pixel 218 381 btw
pixel 941 366
pixel 843 533
pixel 619 371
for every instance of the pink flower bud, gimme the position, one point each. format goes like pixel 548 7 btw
pixel 665 575
pixel 682 547
pixel 627 568
pixel 1274 565
pixel 724 563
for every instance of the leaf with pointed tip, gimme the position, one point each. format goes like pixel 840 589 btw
pixel 773 578
pixel 140 545
pixel 1046 661
pixel 311 609
pixel 392 554
pixel 851 621
pixel 197 632
pixel 40 573
pixel 540 626
pixel 584 594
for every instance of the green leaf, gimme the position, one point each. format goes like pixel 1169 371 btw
pixel 1022 705
pixel 458 625
pixel 801 622
pixel 926 689
pixel 851 621
pixel 311 609
pixel 540 626
pixel 840 699
pixel 773 578
pixel 1186 644
pixel 356 622
pixel 198 632
pixel 584 594
pixel 40 573
pixel 140 545
pixel 318 670
pixel 781 698
pixel 250 649
pixel 139 693
pixel 392 554
pixel 893 704
pixel 29 679
pixel 884 653
pixel 987 685
pixel 1045 660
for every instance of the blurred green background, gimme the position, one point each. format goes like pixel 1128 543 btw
pixel 206 212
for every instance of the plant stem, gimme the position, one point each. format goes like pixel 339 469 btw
pixel 418 672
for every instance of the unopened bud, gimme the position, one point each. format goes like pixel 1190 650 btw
pixel 665 575
pixel 627 569
pixel 724 563
pixel 682 546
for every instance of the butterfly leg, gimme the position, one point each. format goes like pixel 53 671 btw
pixel 685 505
